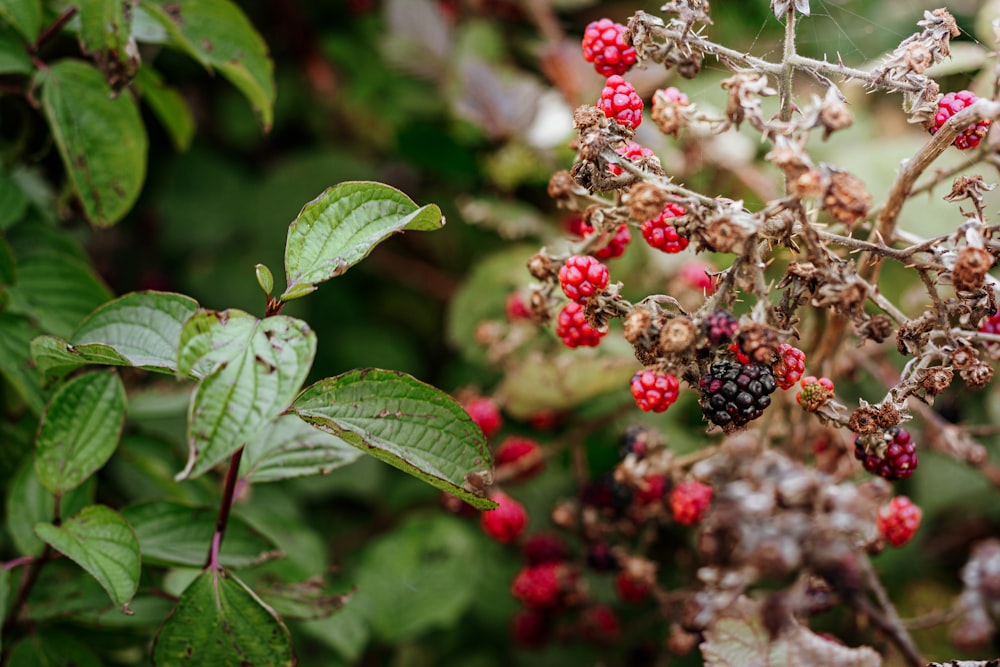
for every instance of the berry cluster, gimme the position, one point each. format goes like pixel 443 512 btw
pixel 790 366
pixel 689 501
pixel 951 104
pixel 620 102
pixel 654 392
pixel 891 455
pixel 733 394
pixel 574 330
pixel 898 520
pixel 662 235
pixel 604 45
pixel 582 276
pixel 632 150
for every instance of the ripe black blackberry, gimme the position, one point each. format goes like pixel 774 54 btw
pixel 720 327
pixel 891 454
pixel 600 558
pixel 606 494
pixel 733 394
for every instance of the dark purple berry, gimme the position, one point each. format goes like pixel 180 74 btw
pixel 733 394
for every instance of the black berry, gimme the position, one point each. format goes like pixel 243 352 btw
pixel 733 394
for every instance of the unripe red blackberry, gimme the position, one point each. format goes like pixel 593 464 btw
pixel 574 330
pixel 604 45
pixel 790 366
pixel 615 246
pixel 899 459
pixel 544 548
pixel 991 324
pixel 689 501
pixel 815 392
pixel 506 522
pixel 898 520
pixel 581 276
pixel 734 394
pixel 660 234
pixel 654 392
pixel 524 453
pixel 652 490
pixel 531 628
pixel 620 102
pixel 696 274
pixel 516 308
pixel 951 104
pixel 539 586
pixel 630 589
pixel 599 624
pixel 720 327
pixel 486 413
pixel 632 150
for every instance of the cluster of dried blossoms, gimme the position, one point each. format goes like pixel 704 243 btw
pixel 773 517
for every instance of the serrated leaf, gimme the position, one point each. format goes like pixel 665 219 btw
pixel 170 533
pixel 16 366
pixel 29 503
pixel 288 448
pixel 100 541
pixel 255 368
pixel 219 621
pixel 169 106
pixel 24 15
pixel 79 430
pixel 13 58
pixel 54 357
pixel 217 34
pixel 422 575
pixel 100 138
pixel 339 228
pixel 56 285
pixel 105 27
pixel 542 382
pixel 142 328
pixel 404 422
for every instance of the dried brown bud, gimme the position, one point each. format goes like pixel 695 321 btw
pixel 759 342
pixel 723 233
pixel 587 117
pixel 887 416
pixel 964 357
pixel 877 328
pixel 538 306
pixel 808 185
pixel 978 375
pixel 671 113
pixel 680 641
pixel 969 187
pixel 865 420
pixel 970 268
pixel 917 57
pixel 677 335
pixel 637 323
pixel 646 201
pixel 561 185
pixel 834 114
pixel 936 379
pixel 541 267
pixel 846 198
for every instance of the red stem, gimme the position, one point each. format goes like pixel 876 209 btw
pixel 228 495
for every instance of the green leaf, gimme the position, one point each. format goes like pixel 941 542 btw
pixel 303 600
pixel 219 621
pixel 264 278
pixel 28 503
pixel 420 576
pixel 288 447
pixel 16 367
pixel 56 285
pixel 13 200
pixel 404 422
pixel 13 58
pixel 169 106
pixel 254 369
pixel 143 327
pixel 174 534
pixel 104 26
pixel 346 632
pixel 48 649
pixel 7 271
pixel 54 357
pixel 79 430
pixel 100 541
pixel 339 228
pixel 217 34
pixel 100 137
pixel 24 15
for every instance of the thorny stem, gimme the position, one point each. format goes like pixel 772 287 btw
pixel 225 507
pixel 787 70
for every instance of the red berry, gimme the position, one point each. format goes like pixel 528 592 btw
pixel 951 104
pixel 616 246
pixel 898 520
pixel 897 462
pixel 632 150
pixel 654 392
pixel 689 501
pixel 573 328
pixel 506 522
pixel 652 490
pixel 524 453
pixel 629 589
pixel 544 548
pixel 604 45
pixel 812 385
pixel 673 94
pixel 790 365
pixel 599 624
pixel 620 102
pixel 485 412
pixel 516 309
pixel 661 234
pixel 696 274
pixel 991 324
pixel 530 628
pixel 581 276
pixel 539 586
